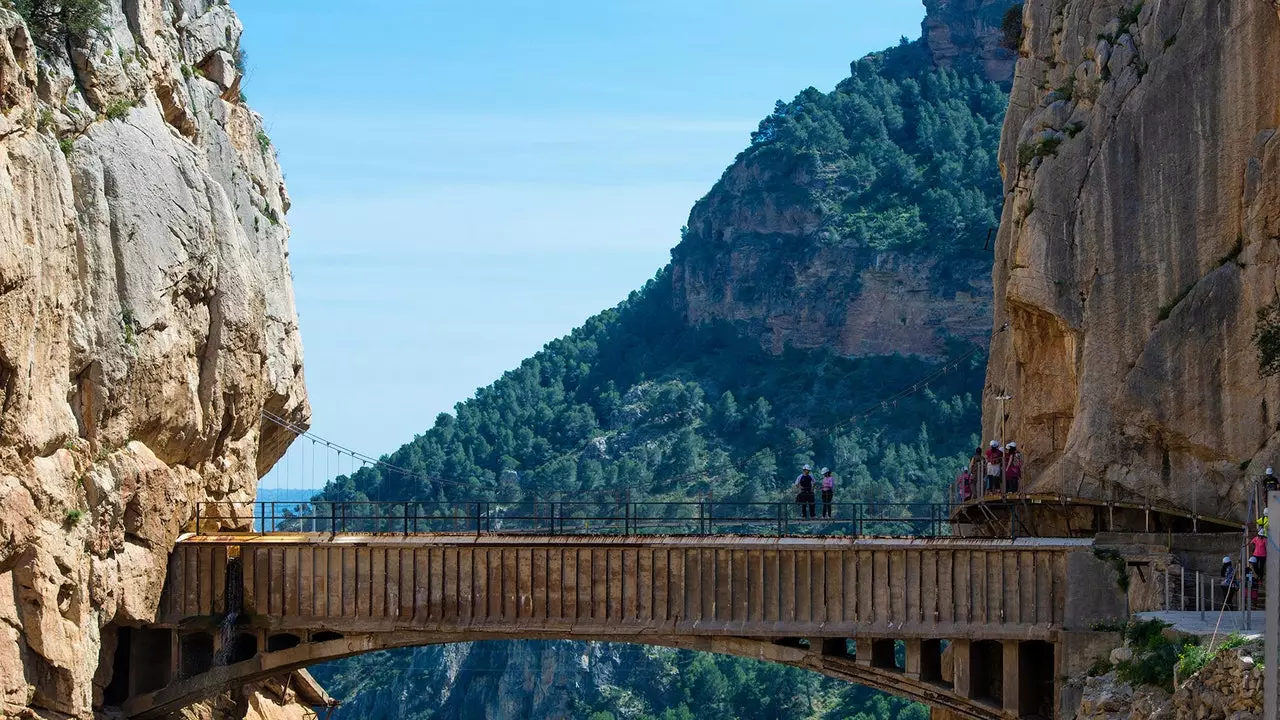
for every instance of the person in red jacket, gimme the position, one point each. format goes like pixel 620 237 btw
pixel 995 463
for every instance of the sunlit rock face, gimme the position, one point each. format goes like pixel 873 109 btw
pixel 1139 240
pixel 146 320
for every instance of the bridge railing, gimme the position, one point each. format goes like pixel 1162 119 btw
pixel 576 518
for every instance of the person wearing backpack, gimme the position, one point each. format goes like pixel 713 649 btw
pixel 805 498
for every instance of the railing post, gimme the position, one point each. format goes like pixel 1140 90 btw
pixel 626 519
pixel 273 516
pixel 406 519
pixel 198 518
pixel 702 514
pixel 551 515
pixel 477 519
pixel 778 512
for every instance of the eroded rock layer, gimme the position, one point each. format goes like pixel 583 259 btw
pixel 1138 242
pixel 146 320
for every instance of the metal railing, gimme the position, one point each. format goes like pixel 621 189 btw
pixel 576 518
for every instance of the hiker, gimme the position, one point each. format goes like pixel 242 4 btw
pixel 1229 581
pixel 1259 556
pixel 995 460
pixel 964 485
pixel 1264 523
pixel 1013 467
pixel 1251 583
pixel 828 492
pixel 1270 483
pixel 805 497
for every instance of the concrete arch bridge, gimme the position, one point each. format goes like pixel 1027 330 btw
pixel 975 628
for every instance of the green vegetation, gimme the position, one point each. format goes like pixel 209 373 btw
pixel 1155 656
pixel 1011 28
pixel 1073 128
pixel 50 21
pixel 118 109
pixel 1045 146
pixel 1194 657
pixel 74 516
pixel 67 145
pixel 264 141
pixel 898 157
pixel 1129 16
pixel 1266 337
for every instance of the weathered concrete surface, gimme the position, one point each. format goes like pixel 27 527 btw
pixel 1137 244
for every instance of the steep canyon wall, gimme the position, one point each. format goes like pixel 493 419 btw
pixel 146 320
pixel 1138 242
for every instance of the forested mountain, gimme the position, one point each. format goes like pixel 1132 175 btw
pixel 718 379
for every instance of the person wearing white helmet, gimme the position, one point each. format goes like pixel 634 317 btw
pixel 1270 483
pixel 805 498
pixel 1229 581
pixel 995 463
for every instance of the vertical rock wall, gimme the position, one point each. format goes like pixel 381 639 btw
pixel 1138 241
pixel 146 320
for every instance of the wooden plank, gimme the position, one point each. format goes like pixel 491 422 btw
pixel 487 605
pixel 722 581
pixel 306 581
pixel 539 584
pixel 772 586
pixel 662 584
pixel 289 581
pixel 630 575
pixel 275 599
pixel 524 583
pixel 692 584
pixel 555 583
pixel 787 585
pixel 569 584
pixel 739 589
pixel 914 611
pixel 585 566
pixel 422 584
pixel 449 586
pixel 804 586
pixel 849 559
pixel 190 581
pixel 897 586
pixel 866 587
pixel 204 558
pixel 509 583
pixel 335 582
pixel 962 586
pixel 946 585
pixel 645 589
pixel 599 584
pixel 248 555
pixel 882 600
pixel 220 580
pixel 378 583
pixel 817 587
pixel 755 586
pixel 407 590
pixel 834 586
pixel 676 609
pixel 392 602
pixel 320 582
pixel 436 584
pixel 364 581
pixel 468 608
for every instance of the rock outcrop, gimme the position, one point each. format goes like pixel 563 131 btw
pixel 959 32
pixel 1138 242
pixel 146 320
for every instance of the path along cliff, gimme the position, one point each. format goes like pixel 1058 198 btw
pixel 1137 245
pixel 146 319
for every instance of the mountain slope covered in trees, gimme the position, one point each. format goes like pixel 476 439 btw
pixel 895 165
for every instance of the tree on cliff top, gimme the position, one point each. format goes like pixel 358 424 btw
pixel 51 20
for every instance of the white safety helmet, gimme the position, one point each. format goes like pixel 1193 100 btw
pixel 1253 559
pixel 1226 560
pixel 1269 471
pixel 995 444
pixel 806 467
pixel 1012 446
pixel 826 470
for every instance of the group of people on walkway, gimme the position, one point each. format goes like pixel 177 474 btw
pixel 999 467
pixel 805 498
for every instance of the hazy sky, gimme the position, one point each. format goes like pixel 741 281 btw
pixel 472 179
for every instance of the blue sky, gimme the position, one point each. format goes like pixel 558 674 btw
pixel 472 179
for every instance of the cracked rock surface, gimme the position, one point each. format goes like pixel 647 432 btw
pixel 146 320
pixel 1138 242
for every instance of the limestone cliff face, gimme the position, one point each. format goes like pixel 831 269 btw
pixel 758 249
pixel 146 319
pixel 1139 238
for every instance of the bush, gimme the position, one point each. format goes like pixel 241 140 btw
pixel 1193 658
pixel 51 20
pixel 118 110
pixel 264 140
pixel 74 516
pixel 1154 655
pixel 1011 28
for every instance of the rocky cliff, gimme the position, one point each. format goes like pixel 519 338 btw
pixel 828 234
pixel 146 319
pixel 1137 244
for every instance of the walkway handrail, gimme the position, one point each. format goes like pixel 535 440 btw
pixel 490 517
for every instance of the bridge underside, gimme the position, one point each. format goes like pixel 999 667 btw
pixel 979 628
pixel 982 680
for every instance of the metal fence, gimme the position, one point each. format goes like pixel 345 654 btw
pixel 577 518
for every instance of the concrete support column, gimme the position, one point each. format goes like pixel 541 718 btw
pixel 961 670
pixel 862 651
pixel 1009 688
pixel 912 669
